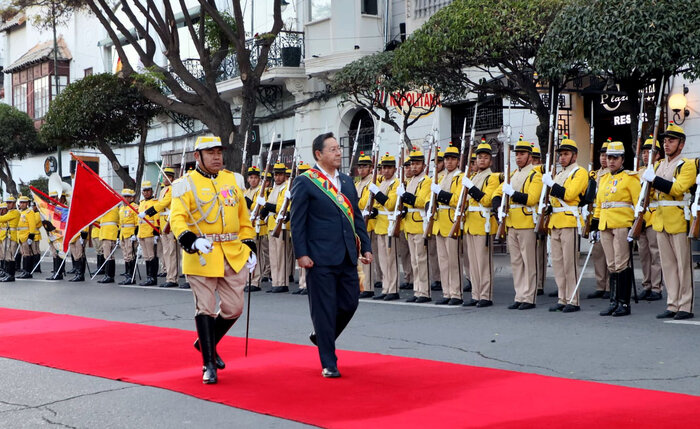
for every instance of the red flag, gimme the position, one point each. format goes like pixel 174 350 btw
pixel 92 198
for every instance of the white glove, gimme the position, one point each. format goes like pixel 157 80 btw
pixel 155 239
pixel 287 195
pixel 547 179
pixel 133 238
pixel 649 175
pixel 508 189
pixel 435 188
pixel 202 244
pixel 697 179
pixel 252 262
pixel 630 239
pixel 373 188
pixel 261 201
pixel 81 241
pixel 584 212
pixel 400 191
pixel 597 235
pixel 466 182
pixel 365 213
pixel 142 215
pixel 29 242
pixel 501 214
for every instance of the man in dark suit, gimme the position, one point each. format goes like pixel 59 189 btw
pixel 326 228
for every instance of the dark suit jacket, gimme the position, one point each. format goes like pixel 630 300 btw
pixel 319 229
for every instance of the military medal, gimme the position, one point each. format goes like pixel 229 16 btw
pixel 340 198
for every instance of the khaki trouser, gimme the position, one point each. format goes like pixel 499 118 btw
pixel 35 246
pixel 448 259
pixel 404 257
pixel 617 248
pixel 434 271
pixel 278 261
pixel 602 275
pixel 97 244
pixel 265 252
pixel 419 259
pixel 522 245
pixel 26 249
pixel 107 247
pixel 10 249
pixel 541 261
pixel 481 266
pixel 650 260
pixel 169 256
pixel 55 248
pixel 263 256
pixel 230 290
pixel 677 268
pixel 76 250
pixel 127 249
pixel 367 283
pixel 465 258
pixel 377 270
pixel 564 252
pixel 387 263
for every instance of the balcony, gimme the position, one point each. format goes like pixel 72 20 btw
pixel 286 51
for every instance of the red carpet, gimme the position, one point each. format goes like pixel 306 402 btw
pixel 284 380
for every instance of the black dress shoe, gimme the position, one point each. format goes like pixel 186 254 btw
pixel 514 306
pixel 596 294
pixel 553 294
pixel 606 295
pixel 391 297
pixel 422 300
pixel 412 299
pixel 653 296
pixel 470 303
pixel 296 292
pixel 682 315
pixel 668 314
pixel 366 294
pixel 540 292
pixel 557 307
pixel 162 274
pixel 278 289
pixel 455 301
pixel 610 310
pixel 304 292
pixel 330 373
pixel 312 338
pixel 406 286
pixel 443 301
pixel 622 310
pixel 527 306
pixel 645 293
pixel 436 286
pixel 484 303
pixel 570 308
pixel 380 296
pixel 185 285
pixel 169 284
pixel 378 285
pixel 252 288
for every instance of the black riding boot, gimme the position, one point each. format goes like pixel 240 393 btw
pixel 74 266
pixel 151 272
pixel 26 267
pixel 624 291
pixel 101 268
pixel 109 272
pixel 10 270
pixel 129 269
pixel 80 273
pixel 206 332
pixel 36 263
pixel 221 327
pixel 57 274
pixel 614 285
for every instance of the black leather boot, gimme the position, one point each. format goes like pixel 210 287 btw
pixel 129 268
pixel 36 263
pixel 57 275
pixel 614 284
pixel 74 266
pixel 624 292
pixel 151 272
pixel 221 327
pixel 109 272
pixel 80 273
pixel 26 268
pixel 205 331
pixel 3 272
pixel 102 268
pixel 10 270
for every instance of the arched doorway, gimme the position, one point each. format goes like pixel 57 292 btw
pixel 364 120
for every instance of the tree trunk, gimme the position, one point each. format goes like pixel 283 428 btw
pixel 107 151
pixel 6 177
pixel 141 157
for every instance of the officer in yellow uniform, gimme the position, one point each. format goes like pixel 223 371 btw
pixel 447 195
pixel 671 182
pixel 434 269
pixel 465 248
pixel 26 233
pixel 364 177
pixel 262 240
pixel 11 217
pixel 652 281
pixel 401 242
pixel 128 221
pixel 614 215
pixel 77 250
pixel 565 223
pixel 4 235
pixel 278 245
pixel 109 233
pixel 37 239
pixel 480 225
pixel 301 169
pixel 415 198
pixel 148 237
pixel 97 244
pixel 167 239
pixel 251 194
pixel 212 223
pixel 541 260
pixel 384 204
pixel 524 189
pixel 602 276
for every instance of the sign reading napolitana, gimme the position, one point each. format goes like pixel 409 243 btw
pixel 420 102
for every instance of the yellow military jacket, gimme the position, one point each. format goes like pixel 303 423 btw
pixel 26 225
pixel 162 206
pixel 109 225
pixel 528 182
pixel 671 213
pixel 95 230
pixel 615 200
pixel 449 182
pixel 12 219
pixel 4 231
pixel 478 213
pixel 128 219
pixel 145 230
pixel 37 225
pixel 566 213
pixel 362 204
pixel 217 206
pixel 276 197
pixel 419 186
pixel 388 188
pixel 261 224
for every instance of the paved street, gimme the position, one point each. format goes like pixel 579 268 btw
pixel 637 351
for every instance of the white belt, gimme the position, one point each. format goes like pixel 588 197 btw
pixel 653 205
pixel 421 211
pixel 522 206
pixel 128 225
pixel 485 212
pixel 220 238
pixel 166 213
pixel 444 207
pixel 108 223
pixel 616 205
pixel 22 228
pixel 671 203
pixel 473 209
pixel 384 212
pixel 565 209
pixel 571 209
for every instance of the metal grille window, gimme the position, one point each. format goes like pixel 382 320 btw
pixel 426 8
pixel 489 117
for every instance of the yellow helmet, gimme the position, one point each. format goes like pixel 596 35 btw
pixel 567 144
pixel 23 199
pixel 440 155
pixel 648 142
pixel 523 146
pixel 483 147
pixel 364 159
pixel 674 131
pixel 615 149
pixel 128 192
pixel 388 161
pixel 416 155
pixel 302 167
pixel 452 151
pixel 207 142
pixel 11 199
pixel 253 170
pixel 279 168
pixel 169 170
pixel 146 184
pixel 604 147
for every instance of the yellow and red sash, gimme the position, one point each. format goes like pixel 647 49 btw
pixel 328 188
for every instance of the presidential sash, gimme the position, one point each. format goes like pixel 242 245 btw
pixel 328 188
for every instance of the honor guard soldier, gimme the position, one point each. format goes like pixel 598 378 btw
pixel 37 239
pixel 167 239
pixel 402 243
pixel 480 225
pixel 128 221
pixel 415 198
pixel 541 259
pixel 264 250
pixel 94 234
pixel 77 251
pixel 109 233
pixel 11 217
pixel 465 248
pixel 600 265
pixel 26 233
pixel 617 194
pixel 4 235
pixel 364 173
pixel 671 182
pixel 212 223
pixel 434 269
pixel 447 194
pixel 55 244
pixel 565 223
pixel 524 189
pixel 652 281
pixel 251 195
pixel 384 203
pixel 148 237
pixel 301 169
pixel 278 245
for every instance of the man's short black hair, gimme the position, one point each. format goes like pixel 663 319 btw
pixel 317 144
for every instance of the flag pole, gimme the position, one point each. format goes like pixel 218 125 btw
pixel 52 200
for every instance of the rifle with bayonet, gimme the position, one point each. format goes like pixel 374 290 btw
pixel 505 202
pixel 543 209
pixel 397 216
pixel 465 157
pixel 255 213
pixel 429 220
pixel 375 171
pixel 591 151
pixel 245 154
pixel 354 145
pixel 282 213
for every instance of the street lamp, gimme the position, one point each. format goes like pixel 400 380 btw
pixel 678 103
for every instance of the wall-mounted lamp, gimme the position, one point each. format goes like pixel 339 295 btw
pixel 678 103
pixel 283 5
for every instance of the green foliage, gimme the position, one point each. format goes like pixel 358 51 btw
pixel 214 36
pixel 43 13
pixel 150 76
pixel 98 108
pixel 18 137
pixel 627 39
pixel 41 184
pixel 368 74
